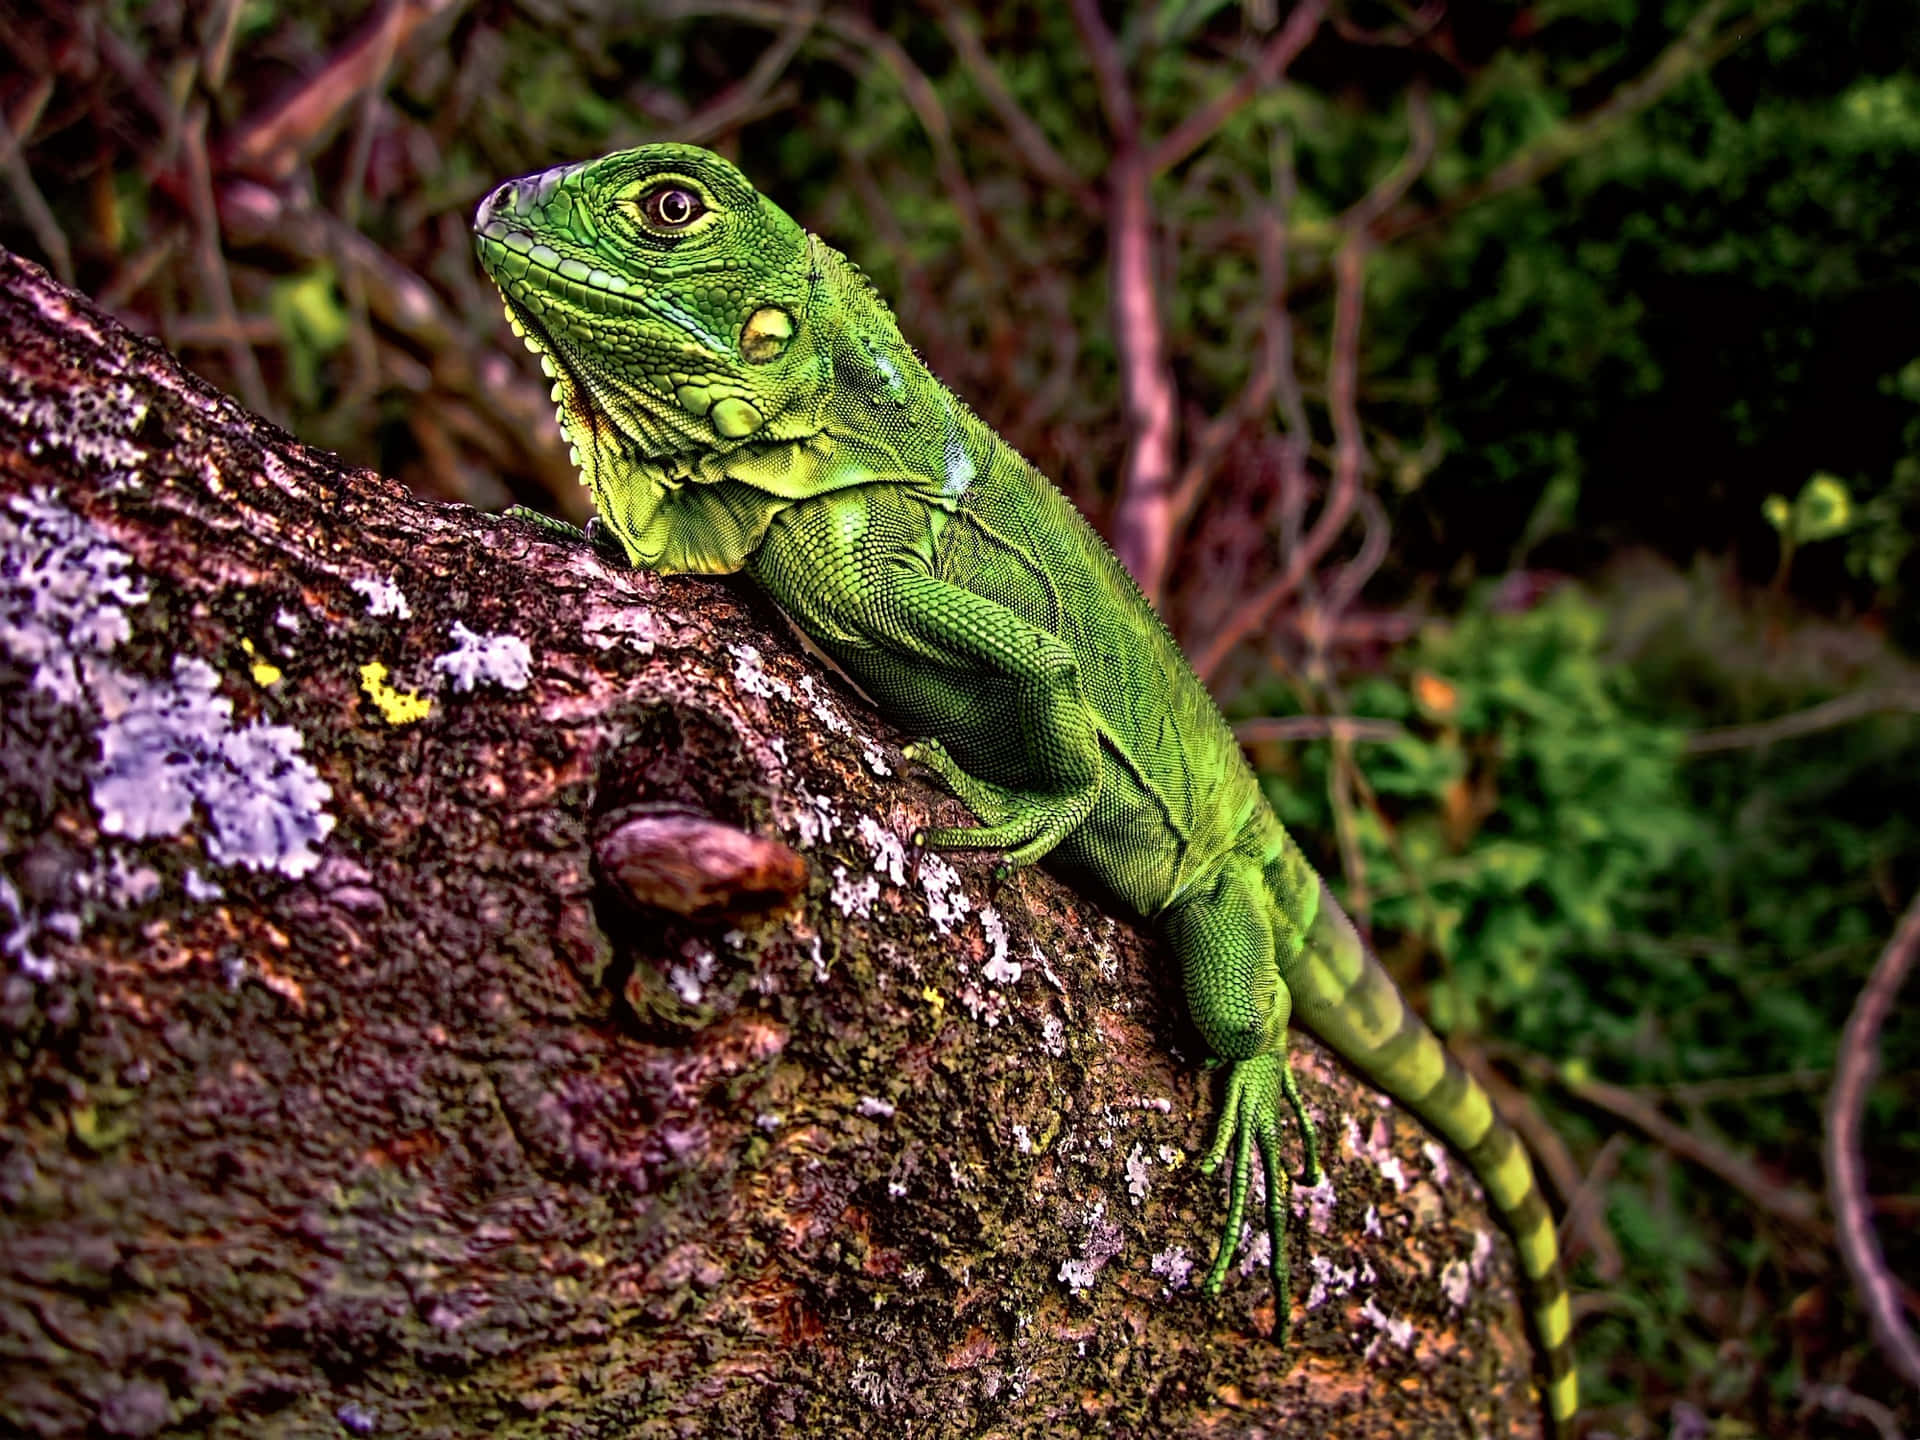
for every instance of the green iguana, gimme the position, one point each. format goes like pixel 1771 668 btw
pixel 738 397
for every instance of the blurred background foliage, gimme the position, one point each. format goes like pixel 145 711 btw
pixel 1541 495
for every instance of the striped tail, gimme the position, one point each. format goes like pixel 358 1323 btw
pixel 1343 995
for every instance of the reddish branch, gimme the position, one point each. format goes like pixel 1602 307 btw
pixel 272 145
pixel 1278 53
pixel 1150 504
pixel 1343 367
pixel 1029 140
pixel 1859 1060
pixel 1143 519
pixel 1249 619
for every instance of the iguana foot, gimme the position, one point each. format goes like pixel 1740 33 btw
pixel 596 533
pixel 1025 825
pixel 1250 1121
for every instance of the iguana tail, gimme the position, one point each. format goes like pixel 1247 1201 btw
pixel 1343 995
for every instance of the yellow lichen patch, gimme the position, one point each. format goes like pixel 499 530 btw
pixel 265 672
pixel 934 998
pixel 398 706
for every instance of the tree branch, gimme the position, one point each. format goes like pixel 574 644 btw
pixel 357 1051
pixel 1029 140
pixel 1201 126
pixel 1843 710
pixel 1854 1070
pixel 1343 364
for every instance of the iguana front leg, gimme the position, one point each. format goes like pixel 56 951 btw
pixel 1001 692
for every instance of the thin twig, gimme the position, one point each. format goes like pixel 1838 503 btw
pixel 1272 366
pixel 1765 1192
pixel 1388 190
pixel 1585 1219
pixel 1697 48
pixel 215 280
pixel 1199 127
pixel 39 216
pixel 1858 1060
pixel 217 52
pixel 272 143
pixel 1029 140
pixel 1342 384
pixel 1109 73
pixel 1839 1400
pixel 1735 1088
pixel 1248 619
pixel 741 100
pixel 1318 727
pixel 1826 716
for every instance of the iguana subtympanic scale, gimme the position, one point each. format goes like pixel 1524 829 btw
pixel 738 397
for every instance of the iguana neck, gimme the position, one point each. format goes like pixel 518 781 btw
pixel 885 420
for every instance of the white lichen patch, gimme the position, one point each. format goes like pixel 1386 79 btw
pixel 1331 1280
pixel 632 626
pixel 476 659
pixel 750 674
pixel 1103 1242
pixel 1376 1148
pixel 64 594
pixel 854 895
pixel 1439 1159
pixel 689 979
pixel 90 425
pixel 22 928
pixel 888 854
pixel 1316 1203
pixel 1392 1330
pixel 383 597
pixel 1256 1251
pixel 874 1108
pixel 1456 1283
pixel 1173 1265
pixel 1482 1253
pixel 1139 1174
pixel 875 757
pixel 198 887
pixel 824 710
pixel 947 902
pixel 814 818
pixel 1053 1035
pixel 169 747
pixel 999 970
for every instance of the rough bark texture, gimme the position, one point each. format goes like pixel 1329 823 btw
pixel 373 1110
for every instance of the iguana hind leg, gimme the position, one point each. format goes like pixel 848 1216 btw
pixel 1222 935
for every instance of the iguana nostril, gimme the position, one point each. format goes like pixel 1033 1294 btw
pixel 501 195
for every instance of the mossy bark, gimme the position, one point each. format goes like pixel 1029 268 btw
pixel 439 1137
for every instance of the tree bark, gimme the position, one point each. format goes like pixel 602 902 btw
pixel 347 1093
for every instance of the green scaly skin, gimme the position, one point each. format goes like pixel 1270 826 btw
pixel 739 398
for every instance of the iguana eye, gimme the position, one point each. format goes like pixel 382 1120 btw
pixel 671 207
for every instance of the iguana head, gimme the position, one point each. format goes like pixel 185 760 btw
pixel 670 303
